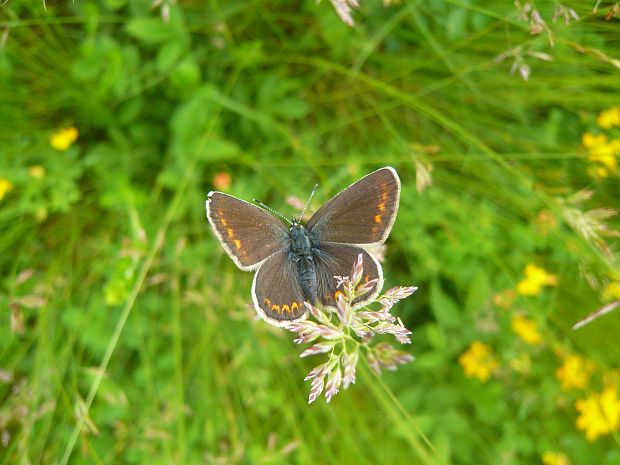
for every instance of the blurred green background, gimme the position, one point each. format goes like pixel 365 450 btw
pixel 127 334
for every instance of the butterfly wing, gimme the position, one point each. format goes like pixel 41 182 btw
pixel 337 260
pixel 248 234
pixel 363 213
pixel 276 291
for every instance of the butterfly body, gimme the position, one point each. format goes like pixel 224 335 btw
pixel 298 263
pixel 302 252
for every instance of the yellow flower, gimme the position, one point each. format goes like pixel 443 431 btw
pixel 597 172
pixel 36 172
pixel 574 372
pixel 602 153
pixel 5 187
pixel 605 154
pixel 526 330
pixel 589 140
pixel 612 291
pixel 63 138
pixel 478 361
pixel 599 414
pixel 609 118
pixel 535 279
pixel 555 458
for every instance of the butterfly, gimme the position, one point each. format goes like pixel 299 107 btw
pixel 295 263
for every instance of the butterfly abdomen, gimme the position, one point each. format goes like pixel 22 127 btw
pixel 301 251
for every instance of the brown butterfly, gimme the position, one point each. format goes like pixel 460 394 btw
pixel 296 263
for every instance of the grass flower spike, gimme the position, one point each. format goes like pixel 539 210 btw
pixel 346 334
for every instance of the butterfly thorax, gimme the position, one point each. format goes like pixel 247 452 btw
pixel 301 249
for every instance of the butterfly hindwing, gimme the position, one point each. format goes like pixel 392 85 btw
pixel 248 234
pixel 276 291
pixel 363 213
pixel 337 260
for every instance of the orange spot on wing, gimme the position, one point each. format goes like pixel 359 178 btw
pixel 267 302
pixel 231 232
pixel 378 219
pixel 381 207
pixel 384 196
pixel 276 308
pixel 338 293
pixel 286 308
pixel 294 306
pixel 237 244
pixel 220 213
pixel 366 278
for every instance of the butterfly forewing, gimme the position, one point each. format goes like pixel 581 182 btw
pixel 363 213
pixel 276 291
pixel 249 234
pixel 337 260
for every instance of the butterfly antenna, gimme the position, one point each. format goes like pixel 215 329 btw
pixel 258 202
pixel 309 199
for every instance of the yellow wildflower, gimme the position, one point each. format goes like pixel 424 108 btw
pixel 574 372
pixel 612 291
pixel 478 361
pixel 590 140
pixel 605 154
pixel 602 153
pixel 526 330
pixel 599 414
pixel 535 278
pixel 609 118
pixel 597 172
pixel 63 138
pixel 555 458
pixel 5 187
pixel 36 172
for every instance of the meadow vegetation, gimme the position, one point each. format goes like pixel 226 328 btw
pixel 127 334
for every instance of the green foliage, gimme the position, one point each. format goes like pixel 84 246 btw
pixel 126 334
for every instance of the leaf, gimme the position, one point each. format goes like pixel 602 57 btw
pixel 456 23
pixel 169 55
pixel 478 293
pixel 151 31
pixel 444 308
